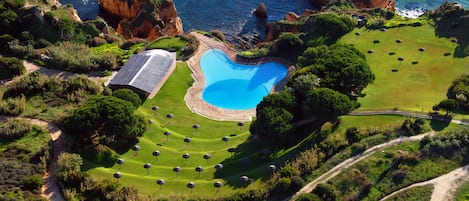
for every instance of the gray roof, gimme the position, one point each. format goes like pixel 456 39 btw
pixel 144 70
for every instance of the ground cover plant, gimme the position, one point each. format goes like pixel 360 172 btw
pixel 183 45
pixel 414 194
pixel 462 193
pixel 24 151
pixel 396 83
pixel 402 165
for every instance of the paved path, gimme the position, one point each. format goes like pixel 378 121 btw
pixel 50 189
pixel 444 186
pixel 353 160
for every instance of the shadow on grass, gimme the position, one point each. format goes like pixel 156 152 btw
pixel 454 24
pixel 253 157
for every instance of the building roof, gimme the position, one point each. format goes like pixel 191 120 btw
pixel 145 70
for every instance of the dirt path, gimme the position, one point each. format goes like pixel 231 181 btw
pixel 444 186
pixel 50 189
pixel 351 161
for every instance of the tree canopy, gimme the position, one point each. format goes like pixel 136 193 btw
pixel 327 102
pixel 128 95
pixel 104 120
pixel 340 67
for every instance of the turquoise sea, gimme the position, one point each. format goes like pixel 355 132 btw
pixel 234 17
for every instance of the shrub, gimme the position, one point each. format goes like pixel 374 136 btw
pixel 325 191
pixel 358 148
pixel 128 95
pixel 13 106
pixel 297 182
pixel 14 128
pixel 33 182
pixel 308 197
pixel 399 176
pixel 218 34
pixel 282 185
pixel 11 66
pixel 353 135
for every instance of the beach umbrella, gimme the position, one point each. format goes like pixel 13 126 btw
pixel 383 29
pixel 453 41
pixel 244 179
pixel 117 175
pixel 231 150
pixel 191 185
pixel 219 166
pixel 169 116
pixel 147 166
pixel 120 161
pixel 370 51
pixel 167 134
pixel 177 169
pixel 155 108
pixel 136 148
pixel 156 153
pixel 187 140
pixel 186 156
pixel 225 139
pixel 199 169
pixel 272 168
pixel 241 125
pixel 160 182
pixel 207 157
pixel 421 50
pixel 217 185
pixel 196 128
pixel 400 59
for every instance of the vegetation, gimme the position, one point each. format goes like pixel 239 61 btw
pixel 414 194
pixel 128 95
pixel 184 45
pixel 22 160
pixel 462 193
pixel 11 67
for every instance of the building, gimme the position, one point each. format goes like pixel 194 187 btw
pixel 145 72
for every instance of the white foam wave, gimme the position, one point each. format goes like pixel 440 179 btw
pixel 410 13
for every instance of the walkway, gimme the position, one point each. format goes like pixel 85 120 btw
pixel 353 160
pixel 50 188
pixel 193 96
pixel 444 186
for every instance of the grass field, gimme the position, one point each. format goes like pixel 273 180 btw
pixel 167 43
pixel 421 80
pixel 247 160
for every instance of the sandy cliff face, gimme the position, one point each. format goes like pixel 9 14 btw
pixel 143 18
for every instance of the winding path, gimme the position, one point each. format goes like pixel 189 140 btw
pixel 444 186
pixel 353 160
pixel 50 189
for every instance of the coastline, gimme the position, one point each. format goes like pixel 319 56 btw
pixel 193 96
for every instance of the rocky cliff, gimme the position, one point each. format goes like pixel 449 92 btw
pixel 143 18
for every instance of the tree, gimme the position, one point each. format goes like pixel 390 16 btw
pixel 448 105
pixel 327 103
pixel 353 135
pixel 284 99
pixel 104 120
pixel 128 95
pixel 340 67
pixel 333 25
pixel 325 191
pixel 272 122
pixel 305 82
pixel 286 44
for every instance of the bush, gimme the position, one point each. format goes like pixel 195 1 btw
pixel 14 128
pixel 282 185
pixel 128 95
pixel 13 106
pixel 325 191
pixel 33 183
pixel 308 197
pixel 297 182
pixel 10 67
pixel 218 34
pixel 358 148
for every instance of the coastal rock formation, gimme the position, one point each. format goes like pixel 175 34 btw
pixel 388 4
pixel 261 11
pixel 143 18
pixel 292 17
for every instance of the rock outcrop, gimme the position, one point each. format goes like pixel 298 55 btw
pixel 143 18
pixel 387 4
pixel 261 11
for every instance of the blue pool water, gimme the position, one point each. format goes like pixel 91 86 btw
pixel 230 85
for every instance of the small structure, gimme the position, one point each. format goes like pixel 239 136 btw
pixel 145 72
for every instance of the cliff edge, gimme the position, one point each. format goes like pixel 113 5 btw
pixel 143 18
pixel 387 4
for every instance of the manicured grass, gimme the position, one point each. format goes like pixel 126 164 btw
pixel 167 43
pixel 170 99
pixel 414 194
pixel 462 193
pixel 114 49
pixel 421 80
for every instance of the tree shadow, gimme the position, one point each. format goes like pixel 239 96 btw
pixel 415 62
pixel 439 122
pixel 454 24
pixel 253 157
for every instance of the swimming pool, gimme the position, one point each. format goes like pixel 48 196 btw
pixel 230 85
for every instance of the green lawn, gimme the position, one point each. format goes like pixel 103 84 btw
pixel 34 140
pixel 176 43
pixel 170 99
pixel 421 80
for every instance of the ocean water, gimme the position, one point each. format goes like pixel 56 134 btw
pixel 235 18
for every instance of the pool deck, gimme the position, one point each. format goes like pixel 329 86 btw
pixel 193 96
